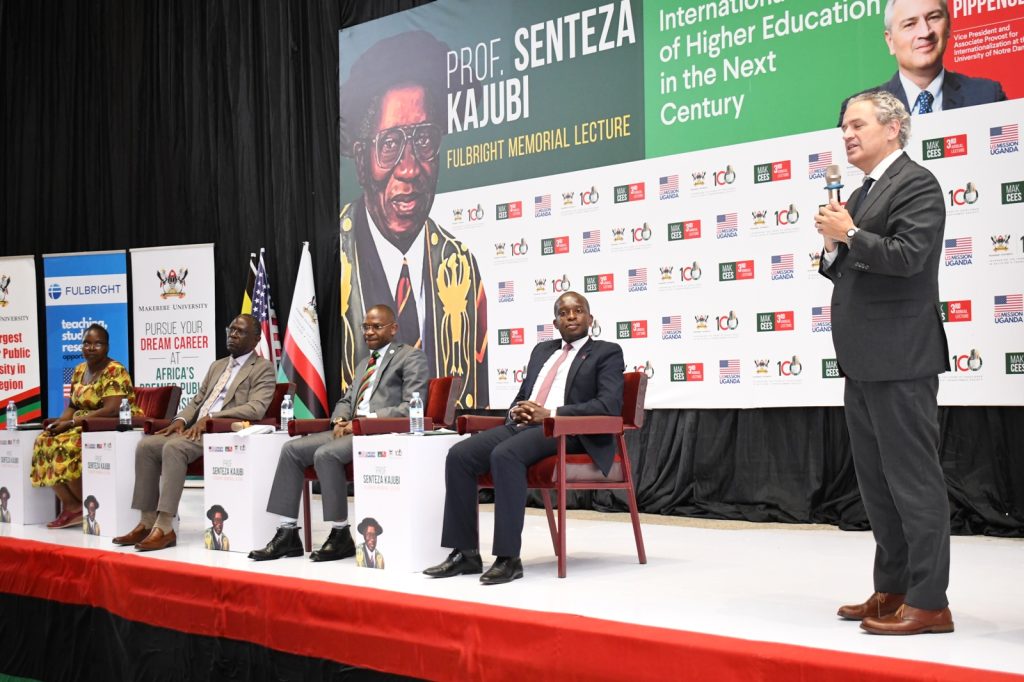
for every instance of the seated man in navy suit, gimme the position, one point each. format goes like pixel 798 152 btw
pixel 572 376
pixel 917 32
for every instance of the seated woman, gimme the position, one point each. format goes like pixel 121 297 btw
pixel 97 387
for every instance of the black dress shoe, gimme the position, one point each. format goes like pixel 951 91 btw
pixel 505 570
pixel 285 542
pixel 457 563
pixel 338 545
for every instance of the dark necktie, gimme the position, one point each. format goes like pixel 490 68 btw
pixel 408 317
pixel 864 189
pixel 367 379
pixel 923 103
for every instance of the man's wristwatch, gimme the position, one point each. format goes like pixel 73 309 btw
pixel 851 233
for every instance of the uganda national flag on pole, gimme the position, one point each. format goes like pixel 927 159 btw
pixel 250 284
pixel 302 361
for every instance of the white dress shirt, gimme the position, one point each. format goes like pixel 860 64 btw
pixel 363 408
pixel 556 398
pixel 935 87
pixel 876 173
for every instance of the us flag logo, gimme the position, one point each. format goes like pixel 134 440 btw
pixel 668 187
pixel 782 266
pixel 725 226
pixel 506 292
pixel 637 279
pixel 817 164
pixel 1003 139
pixel 729 371
pixel 959 251
pixel 545 332
pixel 821 318
pixel 672 327
pixel 1008 308
pixel 592 241
pixel 542 206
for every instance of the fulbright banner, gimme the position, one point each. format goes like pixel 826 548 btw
pixel 173 294
pixel 19 337
pixel 82 289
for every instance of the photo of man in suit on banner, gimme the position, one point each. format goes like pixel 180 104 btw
pixel 393 121
pixel 214 537
pixel 367 555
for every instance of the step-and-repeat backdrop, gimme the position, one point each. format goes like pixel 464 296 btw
pixel 666 159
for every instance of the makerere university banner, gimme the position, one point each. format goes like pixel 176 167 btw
pixel 665 159
pixel 173 295
pixel 19 338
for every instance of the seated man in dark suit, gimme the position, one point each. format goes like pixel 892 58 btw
pixel 384 390
pixel 239 386
pixel 574 376
pixel 917 32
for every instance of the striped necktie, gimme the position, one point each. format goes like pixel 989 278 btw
pixel 408 317
pixel 367 380
pixel 217 388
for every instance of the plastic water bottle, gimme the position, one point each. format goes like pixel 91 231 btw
pixel 416 414
pixel 12 416
pixel 287 411
pixel 124 415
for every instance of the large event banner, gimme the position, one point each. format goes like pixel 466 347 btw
pixel 173 297
pixel 666 159
pixel 81 289
pixel 19 338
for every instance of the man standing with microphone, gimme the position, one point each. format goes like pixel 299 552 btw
pixel 882 254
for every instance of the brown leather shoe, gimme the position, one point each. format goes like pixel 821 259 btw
pixel 133 537
pixel 878 605
pixel 910 621
pixel 157 539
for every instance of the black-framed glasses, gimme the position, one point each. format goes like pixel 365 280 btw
pixel 376 327
pixel 389 144
pixel 235 331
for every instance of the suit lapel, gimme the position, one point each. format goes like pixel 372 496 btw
pixel 382 367
pixel 881 186
pixel 243 372
pixel 895 86
pixel 952 97
pixel 581 357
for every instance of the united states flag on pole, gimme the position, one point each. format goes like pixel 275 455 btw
pixel 263 310
pixel 302 360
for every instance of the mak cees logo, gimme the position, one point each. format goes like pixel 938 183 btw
pixel 772 172
pixel 1008 309
pixel 687 229
pixel 510 210
pixel 1012 193
pixel 1003 139
pixel 688 371
pixel 959 252
pixel 775 322
pixel 598 283
pixel 631 192
pixel 511 337
pixel 554 246
pixel 830 369
pixel 1015 363
pixel 736 270
pixel 631 329
pixel 956 311
pixel 943 147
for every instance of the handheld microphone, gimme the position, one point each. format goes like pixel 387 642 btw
pixel 834 180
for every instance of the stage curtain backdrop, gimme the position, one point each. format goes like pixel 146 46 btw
pixel 133 124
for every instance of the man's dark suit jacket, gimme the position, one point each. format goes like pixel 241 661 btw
pixel 958 91
pixel 886 318
pixel 593 386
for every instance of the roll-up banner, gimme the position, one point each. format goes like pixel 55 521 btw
pixel 19 338
pixel 81 289
pixel 665 159
pixel 174 318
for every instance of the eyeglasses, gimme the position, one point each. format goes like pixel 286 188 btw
pixel 389 144
pixel 376 327
pixel 93 344
pixel 235 331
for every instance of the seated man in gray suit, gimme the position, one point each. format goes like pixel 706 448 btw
pixel 389 376
pixel 917 33
pixel 240 386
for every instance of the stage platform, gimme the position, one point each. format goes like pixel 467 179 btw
pixel 738 602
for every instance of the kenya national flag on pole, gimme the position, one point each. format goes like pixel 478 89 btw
pixel 263 310
pixel 302 361
pixel 250 284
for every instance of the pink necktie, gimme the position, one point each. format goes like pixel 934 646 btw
pixel 545 386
